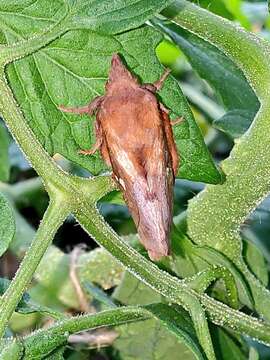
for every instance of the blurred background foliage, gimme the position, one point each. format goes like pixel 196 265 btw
pixel 76 276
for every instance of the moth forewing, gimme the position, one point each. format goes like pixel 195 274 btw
pixel 135 138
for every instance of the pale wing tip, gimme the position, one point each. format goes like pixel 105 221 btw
pixel 156 256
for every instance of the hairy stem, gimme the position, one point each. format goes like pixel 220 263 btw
pixel 53 218
pixel 172 288
pixel 216 214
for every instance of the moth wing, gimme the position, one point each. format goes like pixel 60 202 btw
pixel 142 165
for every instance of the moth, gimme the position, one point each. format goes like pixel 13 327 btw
pixel 134 136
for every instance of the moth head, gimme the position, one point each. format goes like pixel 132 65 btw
pixel 119 75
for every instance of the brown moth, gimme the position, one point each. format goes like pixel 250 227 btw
pixel 135 138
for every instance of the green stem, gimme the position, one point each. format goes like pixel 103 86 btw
pixel 249 51
pixel 216 214
pixel 53 218
pixel 31 147
pixel 76 324
pixel 172 288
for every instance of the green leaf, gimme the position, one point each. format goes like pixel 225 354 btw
pixel 188 259
pixel 95 266
pixel 26 305
pixel 4 158
pixel 53 78
pixel 235 122
pixel 7 224
pixel 27 17
pixel 111 17
pixel 226 346
pixel 221 73
pixel 255 261
pixel 98 294
pixel 155 342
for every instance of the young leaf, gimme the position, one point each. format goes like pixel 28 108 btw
pixel 4 159
pixel 7 224
pixel 221 73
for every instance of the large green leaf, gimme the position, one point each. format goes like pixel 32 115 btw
pixel 7 224
pixel 73 70
pixel 111 17
pixel 27 17
pixel 222 74
pixel 4 159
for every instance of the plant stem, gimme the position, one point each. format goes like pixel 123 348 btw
pixel 170 287
pixel 216 214
pixel 66 327
pixel 53 218
pixel 31 147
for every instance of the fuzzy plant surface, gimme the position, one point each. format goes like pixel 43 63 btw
pixel 209 299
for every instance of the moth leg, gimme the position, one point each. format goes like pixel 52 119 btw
pixel 157 85
pixel 87 109
pixel 149 87
pixel 167 111
pixel 91 151
pixel 170 140
pixel 98 143
pixel 177 121
pixel 164 109
pixel 105 153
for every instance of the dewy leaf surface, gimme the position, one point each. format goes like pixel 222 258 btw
pixel 73 70
pixel 222 74
pixel 7 224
